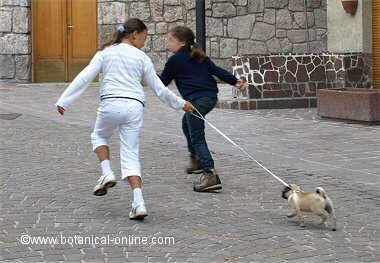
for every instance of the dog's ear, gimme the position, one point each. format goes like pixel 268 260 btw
pixel 284 191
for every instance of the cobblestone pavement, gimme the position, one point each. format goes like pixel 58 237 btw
pixel 48 170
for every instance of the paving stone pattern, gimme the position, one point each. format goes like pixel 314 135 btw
pixel 48 170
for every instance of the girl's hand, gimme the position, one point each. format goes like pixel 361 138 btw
pixel 61 110
pixel 188 107
pixel 240 85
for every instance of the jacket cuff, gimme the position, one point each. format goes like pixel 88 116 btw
pixel 182 104
pixel 234 81
pixel 60 104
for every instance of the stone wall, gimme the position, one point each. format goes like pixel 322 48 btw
pixel 232 26
pixel 15 40
pixel 279 79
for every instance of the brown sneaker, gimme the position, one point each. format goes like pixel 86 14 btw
pixel 194 166
pixel 209 181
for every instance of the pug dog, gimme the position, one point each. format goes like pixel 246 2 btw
pixel 317 203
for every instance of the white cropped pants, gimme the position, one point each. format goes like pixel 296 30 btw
pixel 126 116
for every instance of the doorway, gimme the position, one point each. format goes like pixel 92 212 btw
pixel 65 38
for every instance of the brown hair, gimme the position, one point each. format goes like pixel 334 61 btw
pixel 130 26
pixel 185 34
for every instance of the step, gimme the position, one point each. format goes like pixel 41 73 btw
pixel 268 103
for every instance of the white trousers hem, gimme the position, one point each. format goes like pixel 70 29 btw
pixel 124 178
pixel 96 145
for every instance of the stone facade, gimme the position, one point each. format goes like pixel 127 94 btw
pixel 233 27
pixel 15 40
pixel 282 78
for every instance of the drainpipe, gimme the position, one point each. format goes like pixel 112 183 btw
pixel 307 27
pixel 201 23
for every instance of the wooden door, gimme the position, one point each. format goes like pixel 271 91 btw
pixel 82 34
pixel 49 40
pixel 64 38
pixel 376 42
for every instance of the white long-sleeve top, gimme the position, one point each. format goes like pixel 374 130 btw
pixel 123 68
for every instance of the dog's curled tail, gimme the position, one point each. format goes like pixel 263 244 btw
pixel 321 192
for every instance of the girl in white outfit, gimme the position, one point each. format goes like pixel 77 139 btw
pixel 123 66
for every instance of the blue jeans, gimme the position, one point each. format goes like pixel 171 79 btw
pixel 194 130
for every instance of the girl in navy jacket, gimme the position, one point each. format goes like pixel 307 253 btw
pixel 193 73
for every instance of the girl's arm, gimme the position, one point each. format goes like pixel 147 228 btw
pixel 80 82
pixel 167 74
pixel 162 92
pixel 222 74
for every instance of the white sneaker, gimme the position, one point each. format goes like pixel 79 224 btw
pixel 138 211
pixel 104 182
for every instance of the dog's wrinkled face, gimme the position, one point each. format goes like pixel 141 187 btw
pixel 286 192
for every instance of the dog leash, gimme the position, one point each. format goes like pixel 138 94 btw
pixel 239 147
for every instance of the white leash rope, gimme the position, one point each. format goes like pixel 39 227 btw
pixel 238 146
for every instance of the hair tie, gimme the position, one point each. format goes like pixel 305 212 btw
pixel 121 29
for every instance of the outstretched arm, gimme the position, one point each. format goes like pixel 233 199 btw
pixel 80 83
pixel 222 74
pixel 167 74
pixel 162 92
pixel 227 76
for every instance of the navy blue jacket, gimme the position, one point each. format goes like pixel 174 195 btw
pixel 194 79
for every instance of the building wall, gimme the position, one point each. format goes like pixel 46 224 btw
pixel 349 33
pixel 298 76
pixel 234 27
pixel 294 79
pixel 15 40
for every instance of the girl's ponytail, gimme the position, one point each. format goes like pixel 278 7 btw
pixel 197 52
pixel 186 35
pixel 124 30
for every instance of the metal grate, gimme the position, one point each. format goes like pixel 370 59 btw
pixel 9 116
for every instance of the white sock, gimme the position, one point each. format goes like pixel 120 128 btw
pixel 106 167
pixel 137 196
